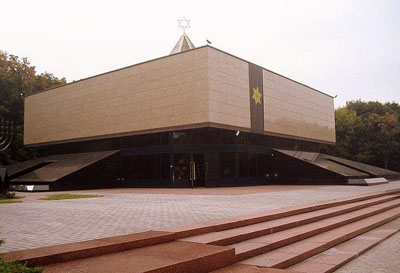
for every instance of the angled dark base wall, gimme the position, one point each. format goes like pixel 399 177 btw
pixel 308 167
pixel 68 172
pixel 291 170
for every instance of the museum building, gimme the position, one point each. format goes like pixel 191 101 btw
pixel 197 117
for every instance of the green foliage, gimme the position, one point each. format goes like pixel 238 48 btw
pixel 9 197
pixel 62 196
pixel 18 79
pixel 17 267
pixel 368 132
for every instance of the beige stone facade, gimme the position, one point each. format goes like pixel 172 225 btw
pixel 196 88
pixel 292 109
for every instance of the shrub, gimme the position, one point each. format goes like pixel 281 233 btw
pixel 16 267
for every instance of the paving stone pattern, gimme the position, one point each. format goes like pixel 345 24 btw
pixel 383 258
pixel 44 223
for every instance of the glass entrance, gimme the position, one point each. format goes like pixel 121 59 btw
pixel 200 169
pixel 183 172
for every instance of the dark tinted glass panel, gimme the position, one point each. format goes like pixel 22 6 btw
pixel 145 140
pixel 164 166
pixel 226 137
pixel 227 165
pixel 116 143
pixel 260 165
pixel 137 166
pixel 243 165
pixel 201 136
pixel 153 166
pixel 267 164
pixel 268 141
pixel 163 138
pixel 256 139
pixel 204 136
pixel 252 159
pixel 180 137
pixel 181 166
pixel 149 167
pixel 126 167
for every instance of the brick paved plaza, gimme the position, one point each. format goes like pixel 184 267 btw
pixel 35 223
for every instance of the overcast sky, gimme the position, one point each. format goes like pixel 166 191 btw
pixel 346 48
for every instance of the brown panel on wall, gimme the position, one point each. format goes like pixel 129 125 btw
pixel 256 99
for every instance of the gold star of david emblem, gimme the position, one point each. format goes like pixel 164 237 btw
pixel 256 95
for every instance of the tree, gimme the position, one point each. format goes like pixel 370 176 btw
pixel 368 132
pixel 18 78
pixel 386 127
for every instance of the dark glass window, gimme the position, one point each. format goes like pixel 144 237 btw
pixel 116 143
pixel 226 137
pixel 253 165
pixel 137 166
pixel 204 136
pixel 243 165
pixel 163 138
pixel 145 140
pixel 252 159
pixel 201 136
pixel 181 166
pixel 149 167
pixel 256 139
pixel 126 163
pixel 96 145
pixel 164 166
pixel 227 165
pixel 152 166
pixel 180 137
pixel 251 139
pixel 260 165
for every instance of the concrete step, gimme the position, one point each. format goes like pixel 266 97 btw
pixel 240 221
pixel 262 244
pixel 335 257
pixel 235 235
pixel 173 257
pixel 73 251
pixel 244 268
pixel 300 250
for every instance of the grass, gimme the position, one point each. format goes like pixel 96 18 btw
pixel 63 196
pixel 8 201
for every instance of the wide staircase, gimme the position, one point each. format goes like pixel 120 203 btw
pixel 314 238
pixel 289 241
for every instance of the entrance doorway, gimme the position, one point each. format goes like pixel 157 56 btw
pixel 201 170
pixel 182 169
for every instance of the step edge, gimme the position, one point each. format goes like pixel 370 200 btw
pixel 290 262
pixel 53 254
pixel 358 254
pixel 280 227
pixel 308 234
pixel 184 232
pixel 286 264
pixel 204 261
